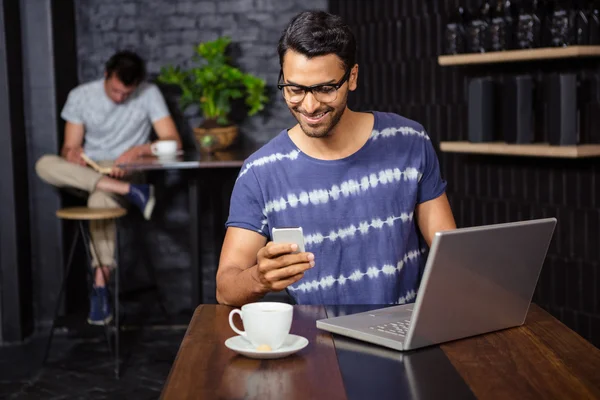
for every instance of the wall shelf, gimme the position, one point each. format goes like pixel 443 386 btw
pixel 530 150
pixel 520 55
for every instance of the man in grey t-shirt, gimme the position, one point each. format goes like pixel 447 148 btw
pixel 109 120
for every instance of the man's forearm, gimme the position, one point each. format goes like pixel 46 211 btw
pixel 66 149
pixel 146 149
pixel 238 287
pixel 143 150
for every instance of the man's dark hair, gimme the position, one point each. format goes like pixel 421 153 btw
pixel 129 67
pixel 318 33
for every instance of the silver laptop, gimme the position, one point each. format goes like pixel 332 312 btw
pixel 476 280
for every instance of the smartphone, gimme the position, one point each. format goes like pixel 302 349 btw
pixel 289 235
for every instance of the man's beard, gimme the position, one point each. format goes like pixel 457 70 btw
pixel 321 131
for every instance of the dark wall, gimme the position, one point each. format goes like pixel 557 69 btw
pixel 399 43
pixel 16 312
pixel 48 60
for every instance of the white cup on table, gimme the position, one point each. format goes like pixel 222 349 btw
pixel 164 148
pixel 266 324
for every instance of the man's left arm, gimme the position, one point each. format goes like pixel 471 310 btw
pixel 433 213
pixel 165 130
pixel 433 216
pixel 162 122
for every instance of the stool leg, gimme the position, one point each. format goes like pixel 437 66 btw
pixel 87 239
pixel 117 324
pixel 60 293
pixel 159 297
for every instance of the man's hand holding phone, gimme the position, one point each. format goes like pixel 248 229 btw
pixel 283 261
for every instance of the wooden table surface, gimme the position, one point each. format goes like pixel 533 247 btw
pixel 206 369
pixel 231 158
pixel 542 359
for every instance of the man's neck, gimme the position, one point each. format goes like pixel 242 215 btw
pixel 347 137
pixel 106 96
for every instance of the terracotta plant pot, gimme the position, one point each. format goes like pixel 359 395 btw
pixel 217 138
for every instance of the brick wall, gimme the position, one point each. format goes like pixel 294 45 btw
pixel 400 42
pixel 166 31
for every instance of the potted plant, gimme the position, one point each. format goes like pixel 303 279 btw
pixel 213 83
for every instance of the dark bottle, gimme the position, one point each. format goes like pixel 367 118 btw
pixel 529 26
pixel 545 12
pixel 581 28
pixel 594 23
pixel 454 36
pixel 501 29
pixel 478 30
pixel 562 25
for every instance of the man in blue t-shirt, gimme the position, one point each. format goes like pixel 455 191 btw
pixel 365 188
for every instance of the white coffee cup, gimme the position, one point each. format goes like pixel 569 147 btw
pixel 164 147
pixel 265 324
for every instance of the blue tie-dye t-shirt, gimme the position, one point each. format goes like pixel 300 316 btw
pixel 357 213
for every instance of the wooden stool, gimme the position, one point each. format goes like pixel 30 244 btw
pixel 90 214
pixel 83 215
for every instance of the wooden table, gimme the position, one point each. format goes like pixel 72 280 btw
pixel 233 158
pixel 542 359
pixel 198 166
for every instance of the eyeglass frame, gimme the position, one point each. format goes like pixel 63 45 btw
pixel 308 89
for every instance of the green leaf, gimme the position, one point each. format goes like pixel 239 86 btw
pixel 222 120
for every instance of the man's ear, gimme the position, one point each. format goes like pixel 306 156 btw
pixel 353 79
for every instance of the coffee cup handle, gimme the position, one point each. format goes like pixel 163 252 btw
pixel 236 330
pixel 153 148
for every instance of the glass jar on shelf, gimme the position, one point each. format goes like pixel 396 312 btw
pixel 454 35
pixel 529 26
pixel 562 24
pixel 581 28
pixel 594 23
pixel 502 26
pixel 478 30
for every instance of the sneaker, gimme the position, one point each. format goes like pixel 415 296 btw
pixel 100 312
pixel 143 197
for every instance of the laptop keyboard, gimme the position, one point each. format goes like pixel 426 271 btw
pixel 398 328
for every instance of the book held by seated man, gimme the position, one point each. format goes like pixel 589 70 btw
pixel 98 168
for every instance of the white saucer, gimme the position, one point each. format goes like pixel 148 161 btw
pixel 169 156
pixel 292 344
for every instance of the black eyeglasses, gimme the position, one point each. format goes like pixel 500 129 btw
pixel 323 93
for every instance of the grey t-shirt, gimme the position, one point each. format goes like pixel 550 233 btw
pixel 110 128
